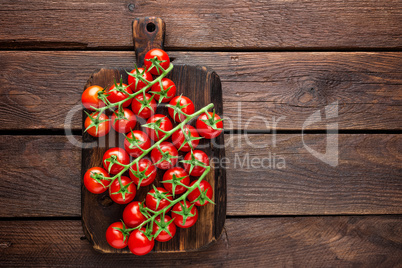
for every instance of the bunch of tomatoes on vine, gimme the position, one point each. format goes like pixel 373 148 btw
pixel 185 188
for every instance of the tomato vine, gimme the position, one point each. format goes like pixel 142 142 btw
pixel 153 218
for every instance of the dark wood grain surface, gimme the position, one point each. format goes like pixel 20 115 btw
pixel 276 59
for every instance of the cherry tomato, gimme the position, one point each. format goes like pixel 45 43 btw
pixel 115 237
pixel 136 84
pixel 123 121
pixel 200 156
pixel 182 103
pixel 111 157
pixel 92 184
pixel 161 121
pixel 90 97
pixel 178 218
pixel 166 153
pixel 103 126
pixel 161 56
pixel 205 125
pixel 168 92
pixel 164 236
pixel 205 186
pixel 139 244
pixel 145 171
pixel 128 196
pixel 119 92
pixel 132 215
pixel 135 139
pixel 152 199
pixel 144 109
pixel 175 174
pixel 182 140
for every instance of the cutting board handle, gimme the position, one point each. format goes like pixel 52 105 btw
pixel 148 33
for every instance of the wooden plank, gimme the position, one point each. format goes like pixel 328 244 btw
pixel 40 177
pixel 366 181
pixel 210 24
pixel 287 179
pixel 37 89
pixel 373 241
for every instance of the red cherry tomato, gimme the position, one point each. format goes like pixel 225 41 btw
pixel 162 122
pixel 132 215
pixel 178 219
pixel 115 237
pixel 115 187
pixel 152 199
pixel 115 154
pixel 119 92
pixel 90 98
pixel 135 139
pixel 205 186
pixel 161 56
pixel 136 84
pixel 164 236
pixel 176 173
pixel 144 171
pixel 200 156
pixel 182 103
pixel 169 90
pixel 93 185
pixel 182 140
pixel 123 122
pixel 205 129
pixel 161 157
pixel 144 109
pixel 139 244
pixel 103 127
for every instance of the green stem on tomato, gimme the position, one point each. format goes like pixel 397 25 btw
pixel 145 152
pixel 175 201
pixel 168 134
pixel 130 96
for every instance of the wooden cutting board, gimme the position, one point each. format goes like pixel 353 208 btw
pixel 202 86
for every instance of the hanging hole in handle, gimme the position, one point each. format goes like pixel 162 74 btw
pixel 151 27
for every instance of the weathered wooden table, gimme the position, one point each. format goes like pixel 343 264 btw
pixel 276 59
